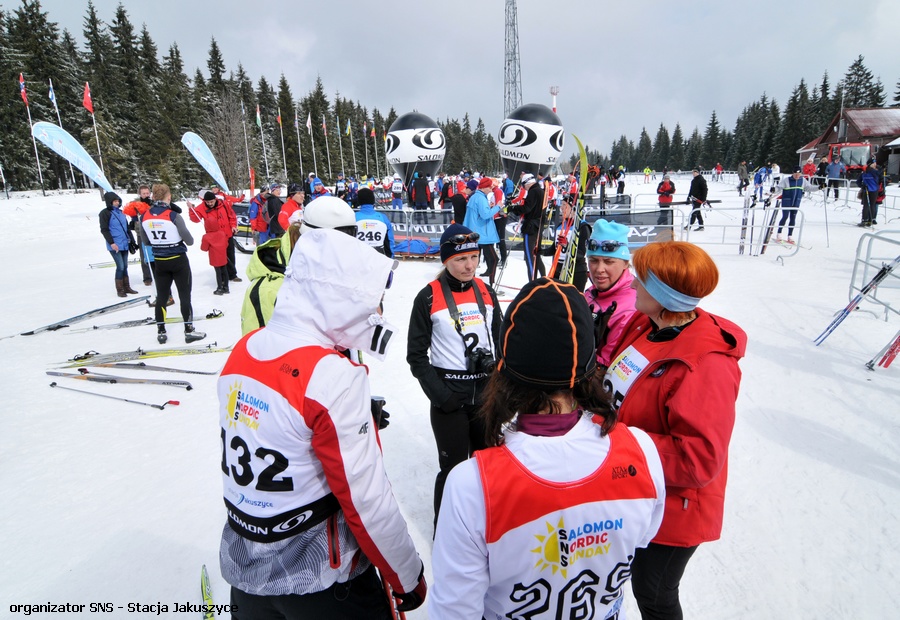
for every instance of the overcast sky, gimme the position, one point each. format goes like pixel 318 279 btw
pixel 619 66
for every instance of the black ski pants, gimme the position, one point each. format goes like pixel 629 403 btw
pixel 361 598
pixel 229 252
pixel 490 258
pixel 869 206
pixel 177 270
pixel 500 223
pixel 655 576
pixel 533 256
pixel 457 435
pixel 696 213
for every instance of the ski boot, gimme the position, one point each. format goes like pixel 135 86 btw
pixel 192 335
pixel 161 336
pixel 218 291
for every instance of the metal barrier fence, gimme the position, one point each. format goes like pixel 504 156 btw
pixel 872 252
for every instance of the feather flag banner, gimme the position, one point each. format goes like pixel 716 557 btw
pixel 198 148
pixel 61 142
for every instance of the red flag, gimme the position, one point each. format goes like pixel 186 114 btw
pixel 372 135
pixel 324 128
pixel 86 101
pixel 22 89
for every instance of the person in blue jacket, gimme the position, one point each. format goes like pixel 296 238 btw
pixel 114 228
pixel 480 219
pixel 870 182
pixel 373 227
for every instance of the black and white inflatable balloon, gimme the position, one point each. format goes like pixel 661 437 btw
pixel 531 139
pixel 415 143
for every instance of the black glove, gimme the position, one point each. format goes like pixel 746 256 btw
pixel 601 325
pixel 456 402
pixel 407 601
pixel 132 247
pixel 379 414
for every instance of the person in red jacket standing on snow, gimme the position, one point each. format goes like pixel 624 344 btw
pixel 675 376
pixel 215 243
pixel 219 208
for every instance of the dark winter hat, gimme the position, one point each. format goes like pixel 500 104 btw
pixel 209 196
pixel 365 196
pixel 797 169
pixel 456 240
pixel 547 338
pixel 294 188
pixel 110 197
pixel 472 185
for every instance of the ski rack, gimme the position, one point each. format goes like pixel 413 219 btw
pixel 867 263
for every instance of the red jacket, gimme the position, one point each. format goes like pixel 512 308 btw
pixel 665 190
pixel 215 242
pixel 687 408
pixel 289 207
pixel 222 212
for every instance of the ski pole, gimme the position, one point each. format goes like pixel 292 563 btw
pixel 135 402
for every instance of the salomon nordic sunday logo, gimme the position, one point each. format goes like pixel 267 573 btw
pixel 560 548
pixel 244 408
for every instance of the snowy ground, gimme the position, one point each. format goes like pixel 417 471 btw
pixel 115 503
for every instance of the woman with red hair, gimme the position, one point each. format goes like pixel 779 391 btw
pixel 674 374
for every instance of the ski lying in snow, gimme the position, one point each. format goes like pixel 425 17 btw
pixel 143 366
pixel 854 303
pixel 109 263
pixel 86 375
pixel 206 592
pixel 215 314
pixel 85 316
pixel 125 400
pixel 888 354
pixel 93 358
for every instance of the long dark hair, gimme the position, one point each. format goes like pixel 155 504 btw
pixel 503 398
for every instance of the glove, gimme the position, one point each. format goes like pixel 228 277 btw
pixel 132 247
pixel 601 325
pixel 407 601
pixel 379 414
pixel 456 402
pixel 562 240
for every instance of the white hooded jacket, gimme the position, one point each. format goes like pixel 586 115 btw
pixel 290 405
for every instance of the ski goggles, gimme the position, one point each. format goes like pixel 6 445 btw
pixel 471 237
pixel 604 246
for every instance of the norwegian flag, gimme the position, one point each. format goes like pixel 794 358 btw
pixel 22 89
pixel 86 101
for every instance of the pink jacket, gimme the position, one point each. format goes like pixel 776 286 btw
pixel 624 296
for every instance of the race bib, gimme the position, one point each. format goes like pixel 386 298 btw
pixel 622 374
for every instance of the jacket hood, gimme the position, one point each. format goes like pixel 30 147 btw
pixel 268 259
pixel 715 334
pixel 332 292
pixel 109 198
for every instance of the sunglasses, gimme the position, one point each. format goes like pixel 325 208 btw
pixel 605 246
pixel 471 237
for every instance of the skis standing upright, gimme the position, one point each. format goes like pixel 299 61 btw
pixel 567 273
pixel 854 303
pixel 744 218
pixel 767 235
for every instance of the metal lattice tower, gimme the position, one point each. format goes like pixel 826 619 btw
pixel 512 82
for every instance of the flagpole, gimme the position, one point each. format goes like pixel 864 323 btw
pixel 340 141
pixel 3 178
pixel 366 143
pixel 353 150
pixel 299 150
pixel 375 146
pixel 312 141
pixel 262 139
pixel 71 169
pixel 246 142
pixel 24 95
pixel 327 150
pixel 283 153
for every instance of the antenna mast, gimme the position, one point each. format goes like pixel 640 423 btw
pixel 512 83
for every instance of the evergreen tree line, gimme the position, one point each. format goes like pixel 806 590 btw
pixel 144 103
pixel 763 132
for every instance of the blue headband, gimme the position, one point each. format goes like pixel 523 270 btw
pixel 668 297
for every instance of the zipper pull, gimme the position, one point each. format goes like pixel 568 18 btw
pixel 684 504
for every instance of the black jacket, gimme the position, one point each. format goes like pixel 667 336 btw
pixel 418 343
pixel 530 210
pixel 699 190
